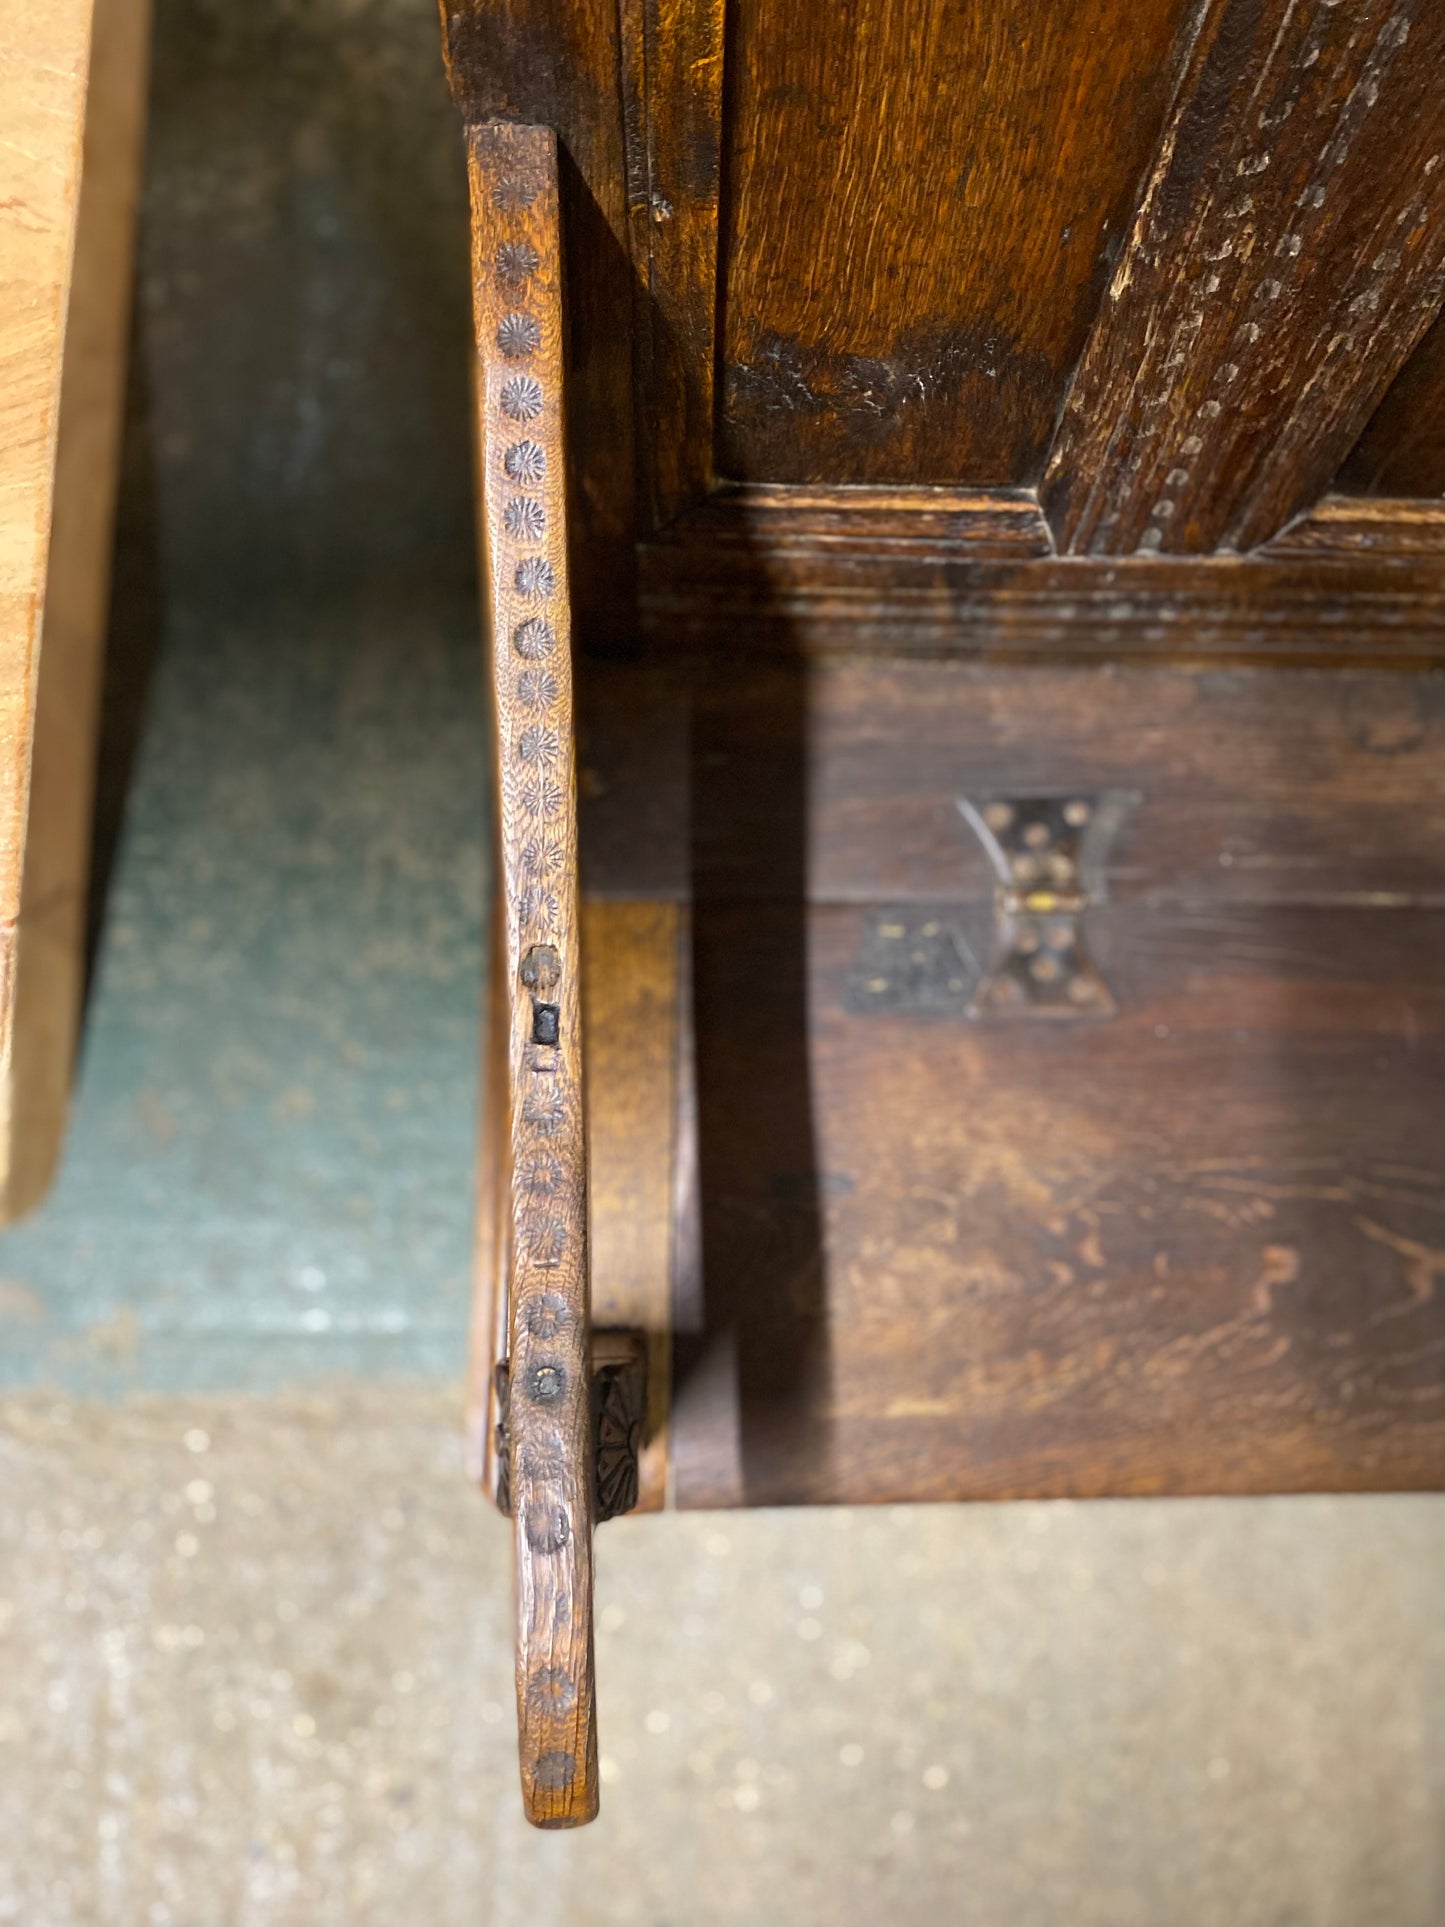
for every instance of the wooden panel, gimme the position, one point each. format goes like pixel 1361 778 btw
pixel 1194 1249
pixel 555 62
pixel 516 279
pixel 1395 529
pixel 1402 451
pixel 764 781
pixel 924 198
pixel 673 79
pixel 1287 255
pixel 630 1021
pixel 67 230
pixel 909 571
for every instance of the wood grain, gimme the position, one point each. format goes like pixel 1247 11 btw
pixel 517 281
pixel 1283 786
pixel 932 572
pixel 555 63
pixel 631 996
pixel 918 1254
pixel 44 99
pixel 1398 529
pixel 68 203
pixel 923 206
pixel 1192 1249
pixel 1197 1248
pixel 1402 451
pixel 673 93
pixel 631 1014
pixel 1288 252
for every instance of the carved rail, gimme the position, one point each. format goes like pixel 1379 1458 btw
pixel 516 275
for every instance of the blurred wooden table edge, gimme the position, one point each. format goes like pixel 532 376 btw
pixel 72 103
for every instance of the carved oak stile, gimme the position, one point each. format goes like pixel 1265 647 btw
pixel 516 268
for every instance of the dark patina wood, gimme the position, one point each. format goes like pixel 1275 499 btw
pixel 1402 451
pixel 1288 252
pixel 672 71
pixel 1196 1248
pixel 1004 466
pixel 935 572
pixel 923 207
pixel 1256 786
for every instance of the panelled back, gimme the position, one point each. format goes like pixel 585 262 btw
pixel 923 203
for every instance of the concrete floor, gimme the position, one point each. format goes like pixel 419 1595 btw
pixel 256 1654
pixel 254 1627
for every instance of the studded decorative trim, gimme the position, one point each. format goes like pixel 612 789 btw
pixel 544 1400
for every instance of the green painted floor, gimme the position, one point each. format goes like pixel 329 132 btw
pixel 268 1175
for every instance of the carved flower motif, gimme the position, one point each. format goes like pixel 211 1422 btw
pixel 537 907
pixel 548 1313
pixel 543 856
pixel 516 260
pixel 547 1244
pixel 537 744
pixel 543 1177
pixel 521 398
pixel 547 1525
pixel 518 335
pixel 525 519
pixel 542 1460
pixel 536 578
pixel 525 462
pixel 534 639
pixel 551 1692
pixel 536 689
pixel 514 193
pixel 545 1112
pixel 541 796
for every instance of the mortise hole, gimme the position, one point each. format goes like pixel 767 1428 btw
pixel 546 1022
